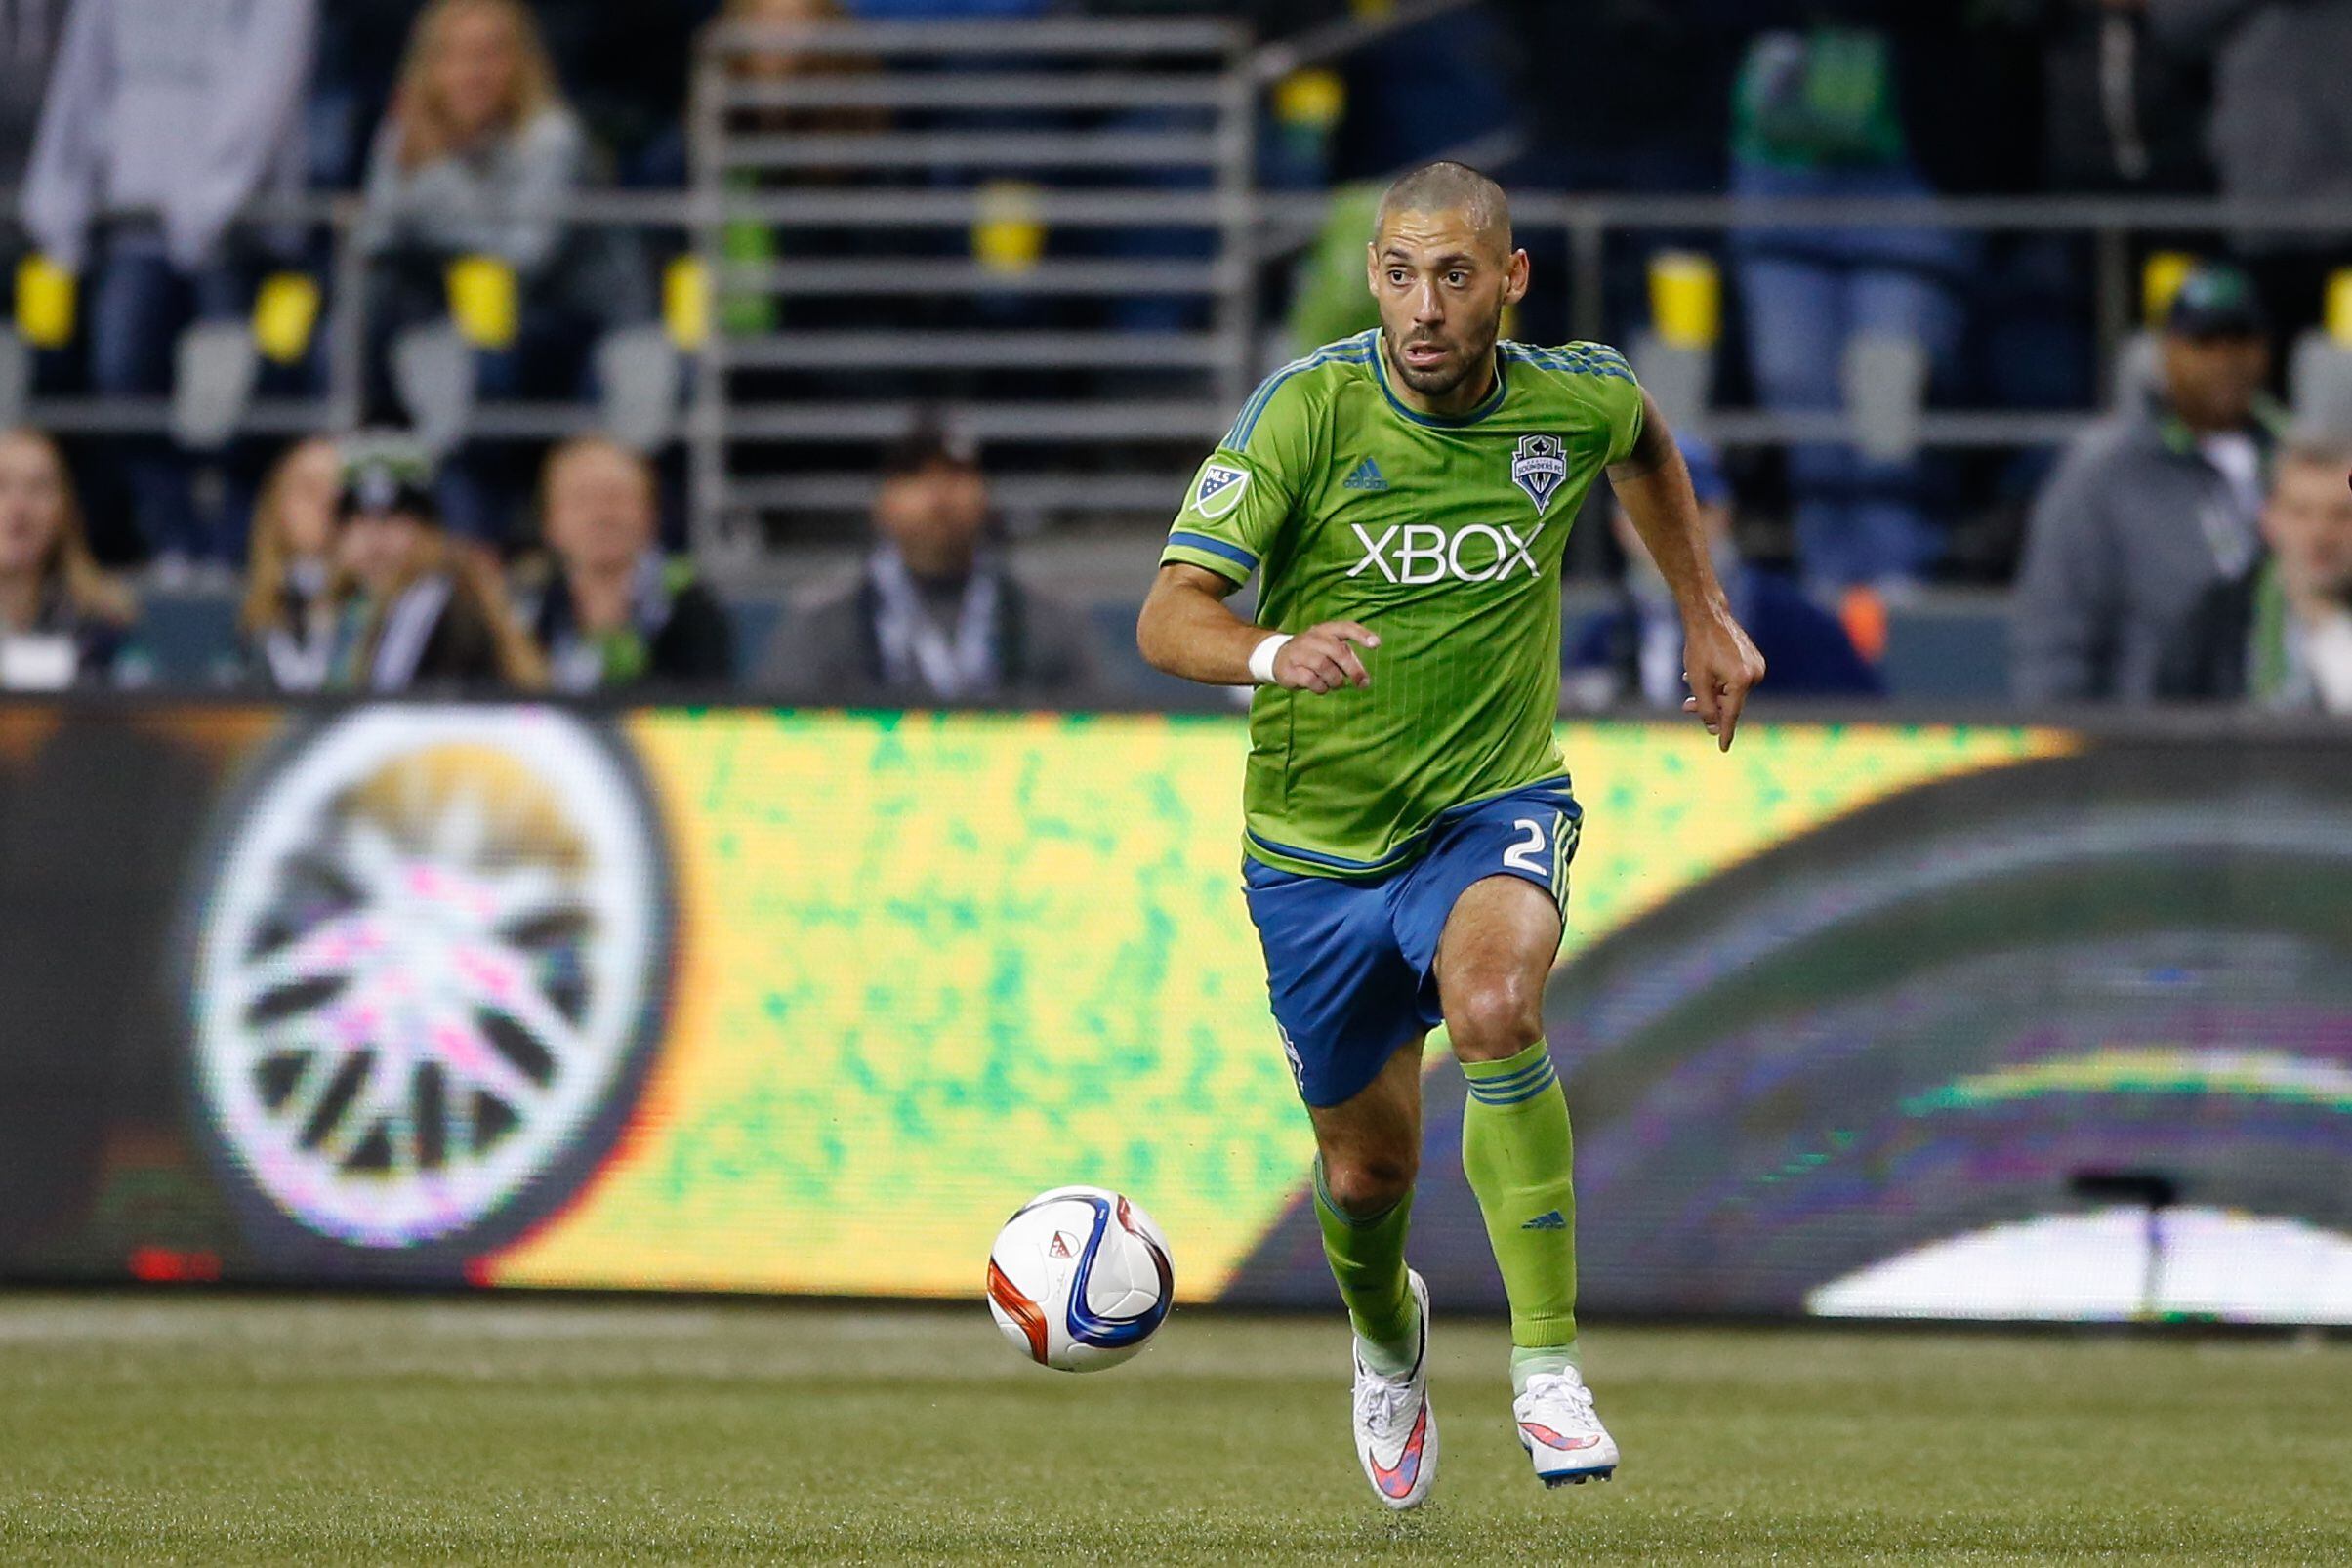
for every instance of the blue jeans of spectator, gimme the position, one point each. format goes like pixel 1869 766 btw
pixel 484 487
pixel 139 303
pixel 1807 293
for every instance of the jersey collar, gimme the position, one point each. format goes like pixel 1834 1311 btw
pixel 1443 421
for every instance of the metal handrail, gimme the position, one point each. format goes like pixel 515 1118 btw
pixel 1588 225
pixel 927 149
pixel 1105 35
pixel 1318 46
pixel 1008 92
pixel 2049 215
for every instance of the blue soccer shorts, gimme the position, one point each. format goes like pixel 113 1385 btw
pixel 1352 964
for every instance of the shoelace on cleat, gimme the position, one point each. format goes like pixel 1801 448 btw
pixel 1381 1405
pixel 1564 1403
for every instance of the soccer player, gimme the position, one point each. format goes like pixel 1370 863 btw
pixel 1404 498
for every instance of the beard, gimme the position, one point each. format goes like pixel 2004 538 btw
pixel 1467 355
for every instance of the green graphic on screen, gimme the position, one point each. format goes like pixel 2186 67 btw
pixel 929 965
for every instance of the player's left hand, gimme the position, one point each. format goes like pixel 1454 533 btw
pixel 1721 666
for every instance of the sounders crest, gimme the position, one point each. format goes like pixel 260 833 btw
pixel 1540 467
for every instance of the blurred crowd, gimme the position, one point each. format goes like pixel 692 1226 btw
pixel 135 133
pixel 356 585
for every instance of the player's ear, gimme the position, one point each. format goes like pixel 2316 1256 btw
pixel 1514 288
pixel 1371 265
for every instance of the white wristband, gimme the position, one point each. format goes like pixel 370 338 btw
pixel 1262 658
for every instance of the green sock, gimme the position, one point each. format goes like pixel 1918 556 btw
pixel 1367 1257
pixel 1515 1149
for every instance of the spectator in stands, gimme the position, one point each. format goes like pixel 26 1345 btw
pixel 29 30
pixel 2279 637
pixel 936 614
pixel 2122 114
pixel 754 244
pixel 937 9
pixel 2282 124
pixel 608 609
pixel 1819 112
pixel 2150 507
pixel 1633 652
pixel 286 626
pixel 418 609
pixel 628 64
pixel 476 153
pixel 163 119
pixel 62 622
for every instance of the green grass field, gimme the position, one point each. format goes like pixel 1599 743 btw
pixel 224 1429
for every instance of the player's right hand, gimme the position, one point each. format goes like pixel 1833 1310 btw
pixel 1319 659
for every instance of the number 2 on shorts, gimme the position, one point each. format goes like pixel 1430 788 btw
pixel 1523 856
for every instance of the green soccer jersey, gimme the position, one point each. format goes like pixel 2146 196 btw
pixel 1444 536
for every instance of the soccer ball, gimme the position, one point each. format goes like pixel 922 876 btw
pixel 1079 1279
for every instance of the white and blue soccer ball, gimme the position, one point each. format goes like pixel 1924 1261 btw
pixel 1079 1279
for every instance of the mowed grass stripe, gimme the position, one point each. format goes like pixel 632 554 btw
pixel 298 1430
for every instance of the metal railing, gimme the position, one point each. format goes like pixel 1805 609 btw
pixel 966 125
pixel 1585 229
pixel 902 167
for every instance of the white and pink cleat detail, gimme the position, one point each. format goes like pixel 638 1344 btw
pixel 1560 1432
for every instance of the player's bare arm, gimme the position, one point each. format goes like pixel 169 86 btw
pixel 1718 661
pixel 1186 630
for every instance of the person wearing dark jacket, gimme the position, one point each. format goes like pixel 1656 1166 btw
pixel 2279 637
pixel 936 616
pixel 606 608
pixel 2149 507
pixel 1632 654
pixel 417 610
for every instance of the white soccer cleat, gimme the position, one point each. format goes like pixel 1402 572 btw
pixel 1560 1432
pixel 1396 1431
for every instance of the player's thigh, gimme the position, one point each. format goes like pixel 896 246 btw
pixel 1344 998
pixel 1481 917
pixel 1493 961
pixel 1374 1135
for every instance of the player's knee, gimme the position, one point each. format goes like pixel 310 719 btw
pixel 1362 1185
pixel 1493 1020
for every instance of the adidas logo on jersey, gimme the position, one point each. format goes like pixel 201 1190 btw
pixel 1419 552
pixel 1367 476
pixel 1554 1221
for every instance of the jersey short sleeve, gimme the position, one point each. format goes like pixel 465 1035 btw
pixel 1618 397
pixel 1249 485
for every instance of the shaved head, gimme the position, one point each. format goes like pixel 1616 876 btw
pixel 1442 269
pixel 1449 188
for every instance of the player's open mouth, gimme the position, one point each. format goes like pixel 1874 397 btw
pixel 1421 356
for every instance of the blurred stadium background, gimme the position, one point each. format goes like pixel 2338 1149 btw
pixel 591 882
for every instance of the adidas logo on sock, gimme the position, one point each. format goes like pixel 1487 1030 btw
pixel 1554 1221
pixel 1367 476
